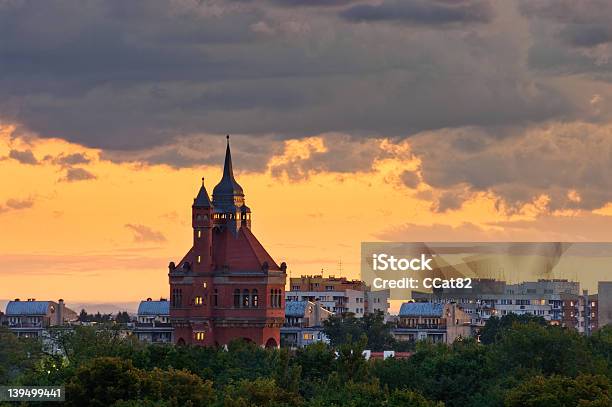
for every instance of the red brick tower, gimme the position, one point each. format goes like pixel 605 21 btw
pixel 227 286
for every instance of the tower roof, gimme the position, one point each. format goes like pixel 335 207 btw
pixel 227 185
pixel 202 200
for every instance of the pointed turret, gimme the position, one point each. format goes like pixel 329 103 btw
pixel 202 200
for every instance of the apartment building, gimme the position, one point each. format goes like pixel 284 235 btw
pixel 434 322
pixel 604 306
pixel 33 318
pixel 303 324
pixel 153 322
pixel 338 294
pixel 558 301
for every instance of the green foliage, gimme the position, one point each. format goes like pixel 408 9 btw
pixel 545 349
pixel 105 381
pixel 583 391
pixel 17 356
pixel 258 392
pixel 122 317
pixel 495 327
pixel 525 363
pixel 339 328
pixel 102 382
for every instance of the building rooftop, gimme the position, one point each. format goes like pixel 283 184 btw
pixel 16 308
pixel 421 309
pixel 295 308
pixel 154 308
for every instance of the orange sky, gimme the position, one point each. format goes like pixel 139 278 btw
pixel 109 236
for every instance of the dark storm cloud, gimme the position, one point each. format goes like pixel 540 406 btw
pixel 587 35
pixel 582 24
pixel 422 12
pixel 314 3
pixel 569 163
pixel 570 37
pixel 130 76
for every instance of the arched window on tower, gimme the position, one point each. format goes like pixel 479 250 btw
pixel 245 298
pixel 271 298
pixel 215 297
pixel 237 298
pixel 254 298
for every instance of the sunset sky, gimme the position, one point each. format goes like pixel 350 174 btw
pixel 350 120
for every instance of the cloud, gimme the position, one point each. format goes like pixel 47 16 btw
pixel 77 174
pixel 13 204
pixel 410 179
pixel 150 75
pixel 143 234
pixel 66 160
pixel 581 24
pixel 331 152
pixel 313 3
pixel 578 227
pixel 70 264
pixel 24 157
pixel 570 37
pixel 560 160
pixel 422 12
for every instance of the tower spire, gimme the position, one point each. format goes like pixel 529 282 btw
pixel 227 188
pixel 228 171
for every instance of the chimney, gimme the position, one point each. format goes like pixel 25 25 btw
pixel 60 312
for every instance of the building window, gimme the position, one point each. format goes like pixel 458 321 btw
pixel 199 234
pixel 197 300
pixel 200 336
pixel 199 259
pixel 215 297
pixel 177 297
pixel 204 284
pixel 236 298
pixel 275 298
pixel 254 298
pixel 245 298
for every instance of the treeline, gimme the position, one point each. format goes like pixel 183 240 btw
pixel 523 363
pixel 122 317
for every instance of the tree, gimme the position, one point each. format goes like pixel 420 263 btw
pixel 495 327
pixel 584 391
pixel 17 355
pixel 122 317
pixel 351 363
pixel 339 328
pixel 316 360
pixel 544 350
pixel 103 381
pixel 402 398
pixel 262 392
pixel 177 387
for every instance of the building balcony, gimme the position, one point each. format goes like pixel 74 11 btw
pixel 26 325
pixel 153 325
